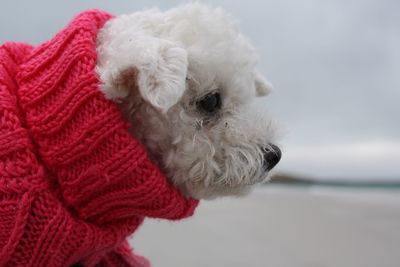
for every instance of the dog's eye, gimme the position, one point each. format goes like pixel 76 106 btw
pixel 210 103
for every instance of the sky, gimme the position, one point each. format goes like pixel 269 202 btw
pixel 334 66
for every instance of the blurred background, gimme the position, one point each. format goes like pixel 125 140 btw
pixel 335 201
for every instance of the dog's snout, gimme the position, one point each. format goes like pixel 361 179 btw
pixel 272 156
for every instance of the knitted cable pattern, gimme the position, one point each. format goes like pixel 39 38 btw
pixel 73 182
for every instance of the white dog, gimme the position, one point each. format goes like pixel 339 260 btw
pixel 186 79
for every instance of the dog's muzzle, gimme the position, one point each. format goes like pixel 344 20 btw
pixel 272 156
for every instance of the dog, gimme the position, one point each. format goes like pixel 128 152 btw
pixel 186 78
pixel 76 179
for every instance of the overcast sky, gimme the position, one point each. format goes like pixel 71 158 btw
pixel 335 66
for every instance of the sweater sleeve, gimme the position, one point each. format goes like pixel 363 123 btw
pixel 103 174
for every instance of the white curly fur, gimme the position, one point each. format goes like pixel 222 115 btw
pixel 157 65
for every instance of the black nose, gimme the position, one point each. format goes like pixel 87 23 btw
pixel 272 155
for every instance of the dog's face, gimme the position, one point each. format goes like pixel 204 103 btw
pixel 207 136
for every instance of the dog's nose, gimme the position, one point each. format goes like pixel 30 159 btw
pixel 272 155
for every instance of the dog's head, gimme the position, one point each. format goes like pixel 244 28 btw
pixel 193 109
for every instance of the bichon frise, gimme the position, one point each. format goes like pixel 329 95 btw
pixel 187 79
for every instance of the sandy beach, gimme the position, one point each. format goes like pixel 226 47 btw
pixel 282 226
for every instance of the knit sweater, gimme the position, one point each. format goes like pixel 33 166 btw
pixel 73 182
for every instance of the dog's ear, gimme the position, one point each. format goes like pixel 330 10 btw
pixel 156 68
pixel 163 82
pixel 263 87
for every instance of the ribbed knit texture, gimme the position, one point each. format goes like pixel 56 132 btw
pixel 73 182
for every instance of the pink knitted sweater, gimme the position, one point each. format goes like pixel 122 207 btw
pixel 73 182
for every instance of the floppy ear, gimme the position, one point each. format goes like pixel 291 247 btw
pixel 154 66
pixel 263 87
pixel 163 82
